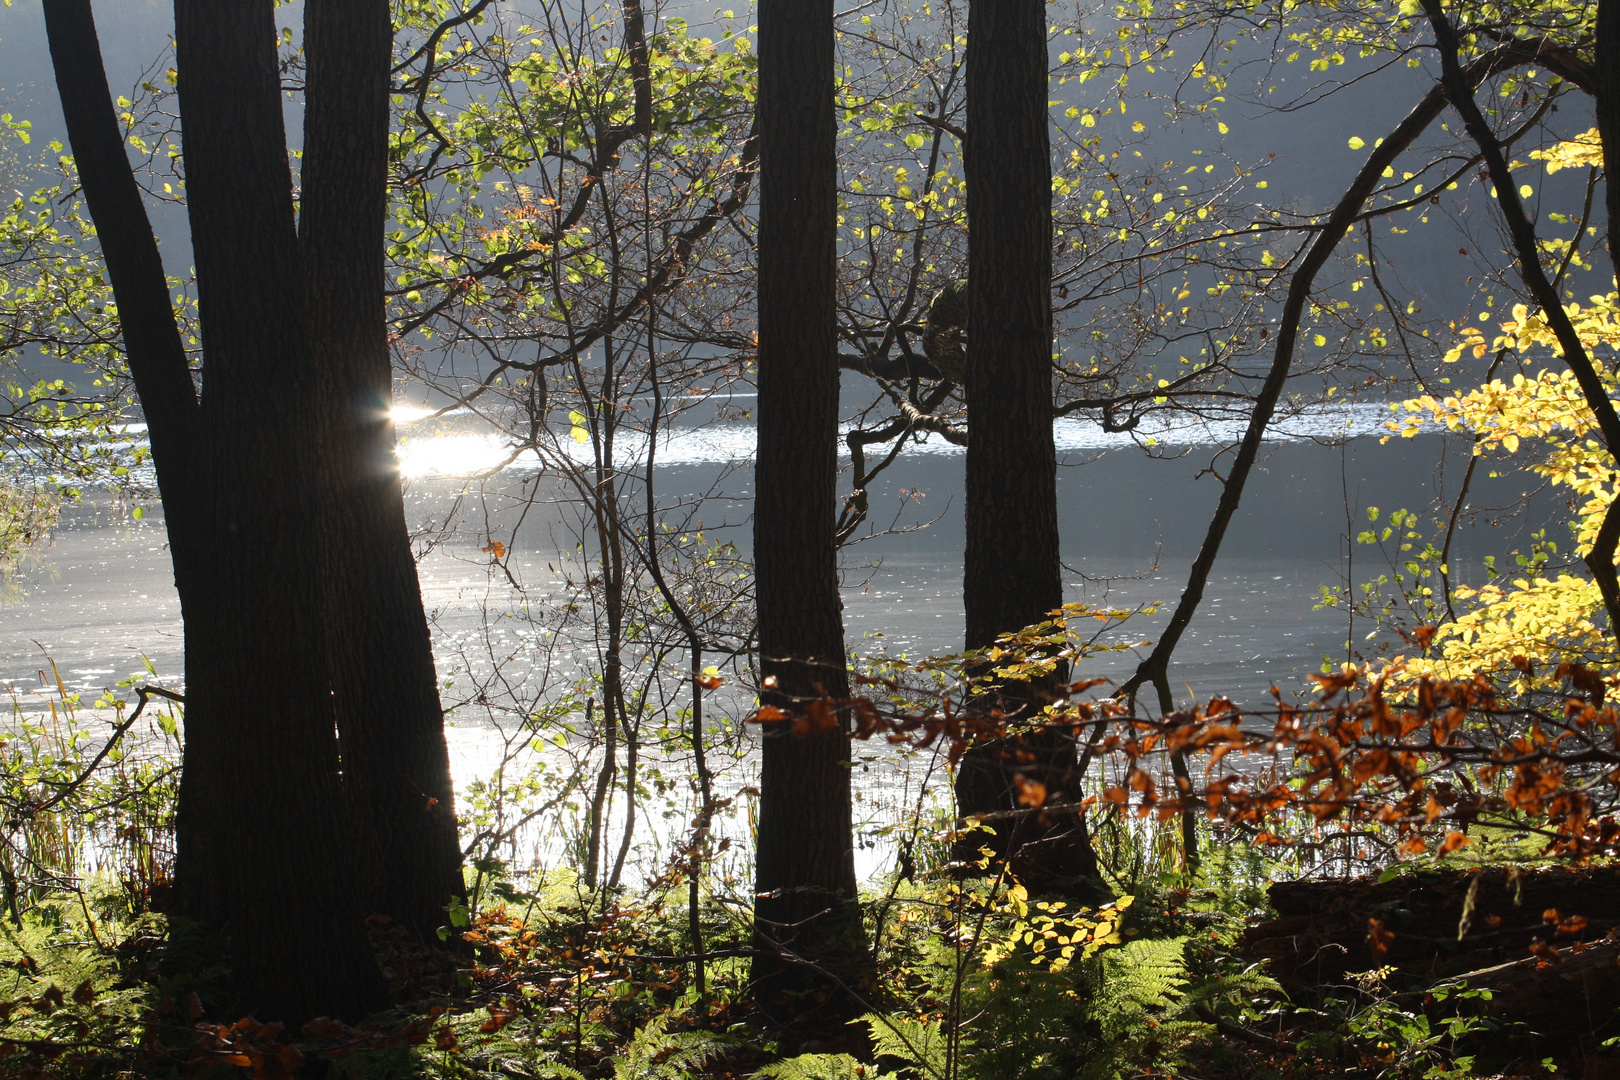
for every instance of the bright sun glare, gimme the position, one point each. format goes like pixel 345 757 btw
pixel 409 414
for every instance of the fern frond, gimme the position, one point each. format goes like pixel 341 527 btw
pixel 813 1067
pixel 920 1043
pixel 1251 982
pixel 551 1070
pixel 1149 973
pixel 654 1053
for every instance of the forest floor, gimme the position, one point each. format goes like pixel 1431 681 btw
pixel 1536 952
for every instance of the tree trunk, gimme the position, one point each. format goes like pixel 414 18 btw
pixel 396 768
pixel 806 918
pixel 261 841
pixel 267 817
pixel 157 358
pixel 1012 576
pixel 1606 99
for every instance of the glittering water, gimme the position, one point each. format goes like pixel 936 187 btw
pixel 99 597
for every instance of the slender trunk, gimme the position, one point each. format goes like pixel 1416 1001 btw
pixel 1384 154
pixel 805 916
pixel 700 833
pixel 607 496
pixel 604 517
pixel 396 767
pixel 1012 575
pixel 1460 91
pixel 694 645
pixel 599 798
pixel 632 760
pixel 157 358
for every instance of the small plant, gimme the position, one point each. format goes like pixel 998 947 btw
pixel 1385 1039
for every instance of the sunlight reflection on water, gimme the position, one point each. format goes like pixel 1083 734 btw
pixel 461 453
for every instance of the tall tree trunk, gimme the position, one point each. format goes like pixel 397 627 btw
pixel 396 768
pixel 157 358
pixel 1606 50
pixel 262 847
pixel 261 839
pixel 1012 575
pixel 806 919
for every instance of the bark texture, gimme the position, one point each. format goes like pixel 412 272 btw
pixel 264 852
pixel 1012 575
pixel 261 838
pixel 1606 51
pixel 396 768
pixel 805 915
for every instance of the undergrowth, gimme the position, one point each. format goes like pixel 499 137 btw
pixel 975 978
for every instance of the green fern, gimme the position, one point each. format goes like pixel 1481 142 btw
pixel 551 1070
pixel 1140 1007
pixel 1249 983
pixel 656 1053
pixel 1144 975
pixel 816 1067
pixel 919 1043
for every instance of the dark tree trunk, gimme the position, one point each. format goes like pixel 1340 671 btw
pixel 1606 50
pixel 1012 575
pixel 157 358
pixel 261 825
pixel 396 768
pixel 805 915
pixel 263 850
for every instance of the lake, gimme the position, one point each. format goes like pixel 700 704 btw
pixel 99 596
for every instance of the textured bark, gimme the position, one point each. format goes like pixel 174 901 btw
pixel 1606 94
pixel 1012 575
pixel 805 871
pixel 262 847
pixel 396 768
pixel 262 839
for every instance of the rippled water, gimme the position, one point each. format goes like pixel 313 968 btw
pixel 454 451
pixel 100 596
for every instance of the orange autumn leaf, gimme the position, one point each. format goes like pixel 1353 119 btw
pixel 1030 792
pixel 1574 924
pixel 1379 938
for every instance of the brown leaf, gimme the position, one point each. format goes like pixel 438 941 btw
pixel 1030 792
pixel 1379 938
pixel 1574 924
